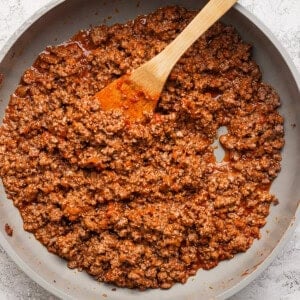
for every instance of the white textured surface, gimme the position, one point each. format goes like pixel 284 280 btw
pixel 282 279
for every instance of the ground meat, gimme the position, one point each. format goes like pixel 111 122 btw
pixel 1 78
pixel 9 231
pixel 143 204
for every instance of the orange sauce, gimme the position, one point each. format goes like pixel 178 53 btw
pixel 122 94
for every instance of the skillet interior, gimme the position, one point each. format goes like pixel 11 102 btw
pixel 57 26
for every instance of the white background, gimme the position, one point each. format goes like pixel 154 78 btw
pixel 282 279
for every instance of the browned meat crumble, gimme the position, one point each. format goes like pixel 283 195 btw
pixel 9 231
pixel 143 205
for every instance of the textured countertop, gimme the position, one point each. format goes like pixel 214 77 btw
pixel 281 280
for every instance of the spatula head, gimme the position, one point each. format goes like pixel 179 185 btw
pixel 125 95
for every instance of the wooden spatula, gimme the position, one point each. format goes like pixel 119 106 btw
pixel 139 92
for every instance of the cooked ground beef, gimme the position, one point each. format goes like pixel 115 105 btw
pixel 9 231
pixel 143 204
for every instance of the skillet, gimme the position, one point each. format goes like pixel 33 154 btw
pixel 58 21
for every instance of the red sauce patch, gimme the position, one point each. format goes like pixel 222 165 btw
pixel 122 94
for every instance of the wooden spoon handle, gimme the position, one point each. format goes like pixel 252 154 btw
pixel 213 11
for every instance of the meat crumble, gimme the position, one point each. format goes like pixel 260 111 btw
pixel 145 204
pixel 9 231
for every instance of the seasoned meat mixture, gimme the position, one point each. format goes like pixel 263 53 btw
pixel 143 204
pixel 9 231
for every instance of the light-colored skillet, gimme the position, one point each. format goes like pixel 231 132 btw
pixel 57 22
